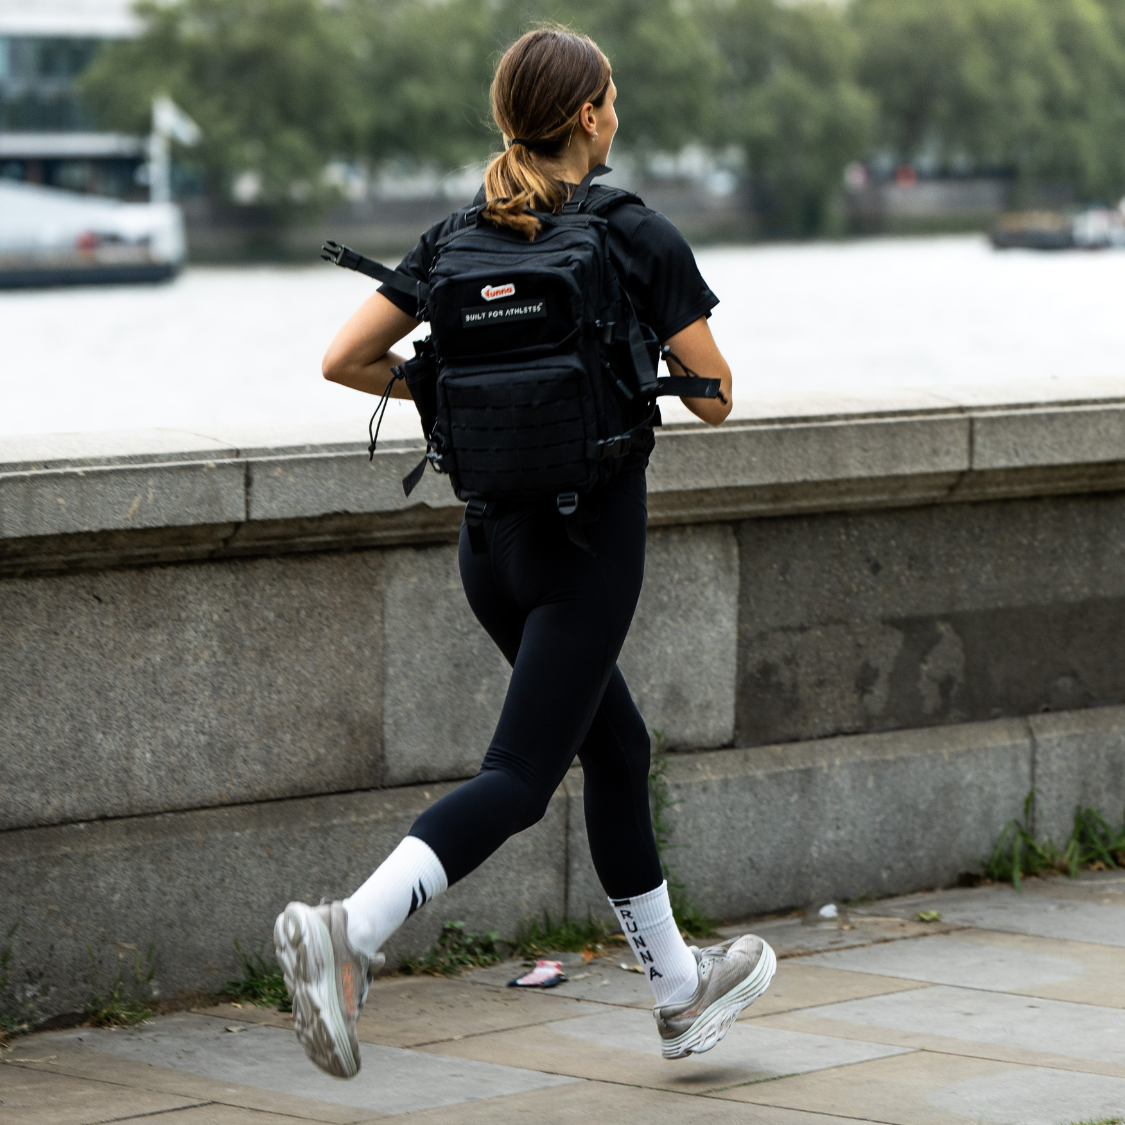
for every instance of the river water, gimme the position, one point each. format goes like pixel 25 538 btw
pixel 241 346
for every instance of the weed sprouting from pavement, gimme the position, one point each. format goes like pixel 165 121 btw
pixel 262 983
pixel 455 951
pixel 121 1006
pixel 689 917
pixel 1016 853
pixel 1092 844
pixel 590 935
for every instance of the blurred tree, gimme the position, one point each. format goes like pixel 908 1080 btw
pixel 272 84
pixel 427 66
pixel 666 66
pixel 1033 86
pixel 424 71
pixel 790 99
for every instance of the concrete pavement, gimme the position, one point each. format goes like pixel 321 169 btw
pixel 1010 1011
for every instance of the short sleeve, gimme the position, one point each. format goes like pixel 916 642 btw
pixel 662 278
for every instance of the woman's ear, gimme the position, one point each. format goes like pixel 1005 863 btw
pixel 588 118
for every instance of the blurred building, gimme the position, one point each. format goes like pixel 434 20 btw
pixel 46 135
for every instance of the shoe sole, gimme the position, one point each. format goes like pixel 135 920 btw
pixel 715 1022
pixel 304 952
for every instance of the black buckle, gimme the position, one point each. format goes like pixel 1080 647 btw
pixel 567 503
pixel 605 330
pixel 339 255
pixel 616 446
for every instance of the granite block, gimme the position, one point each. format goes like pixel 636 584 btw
pixel 318 484
pixel 947 614
pixel 170 687
pixel 745 455
pixel 787 826
pixel 121 498
pixel 1059 435
pixel 1079 761
pixel 445 679
pixel 680 657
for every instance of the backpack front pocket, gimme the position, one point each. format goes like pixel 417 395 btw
pixel 513 430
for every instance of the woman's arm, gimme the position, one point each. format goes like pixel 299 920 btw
pixel 360 355
pixel 697 348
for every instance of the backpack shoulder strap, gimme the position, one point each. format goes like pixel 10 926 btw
pixel 578 201
pixel 606 199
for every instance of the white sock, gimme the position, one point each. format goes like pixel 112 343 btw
pixel 652 933
pixel 408 878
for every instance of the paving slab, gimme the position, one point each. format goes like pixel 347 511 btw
pixel 996 962
pixel 1049 908
pixel 602 981
pixel 606 1101
pixel 935 1089
pixel 233 1013
pixel 410 1011
pixel 1103 888
pixel 799 984
pixel 970 964
pixel 546 1049
pixel 797 936
pixel 1034 1096
pixel 32 1097
pixel 215 1114
pixel 392 1080
pixel 621 1044
pixel 585 1102
pixel 762 1051
pixel 1054 1027
pixel 49 1054
pixel 923 1040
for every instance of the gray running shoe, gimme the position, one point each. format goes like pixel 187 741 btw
pixel 328 980
pixel 731 977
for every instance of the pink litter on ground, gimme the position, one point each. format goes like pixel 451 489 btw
pixel 546 974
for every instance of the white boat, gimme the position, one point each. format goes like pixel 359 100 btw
pixel 54 237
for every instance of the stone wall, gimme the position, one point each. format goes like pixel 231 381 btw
pixel 234 668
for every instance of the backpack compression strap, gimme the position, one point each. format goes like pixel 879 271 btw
pixel 347 258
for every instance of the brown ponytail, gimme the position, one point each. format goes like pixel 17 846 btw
pixel 541 85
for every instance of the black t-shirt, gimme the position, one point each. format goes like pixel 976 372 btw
pixel 651 258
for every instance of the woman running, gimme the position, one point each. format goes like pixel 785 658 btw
pixel 558 612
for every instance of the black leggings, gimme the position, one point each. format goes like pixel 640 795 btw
pixel 560 616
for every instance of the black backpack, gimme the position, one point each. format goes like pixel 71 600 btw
pixel 536 362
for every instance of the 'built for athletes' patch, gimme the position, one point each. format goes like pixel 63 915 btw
pixel 482 316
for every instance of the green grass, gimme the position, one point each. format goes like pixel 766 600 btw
pixel 1102 1121
pixel 123 1005
pixel 1092 842
pixel 262 983
pixel 457 950
pixel 692 921
pixel 573 936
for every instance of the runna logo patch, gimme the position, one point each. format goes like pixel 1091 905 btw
pixel 494 292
